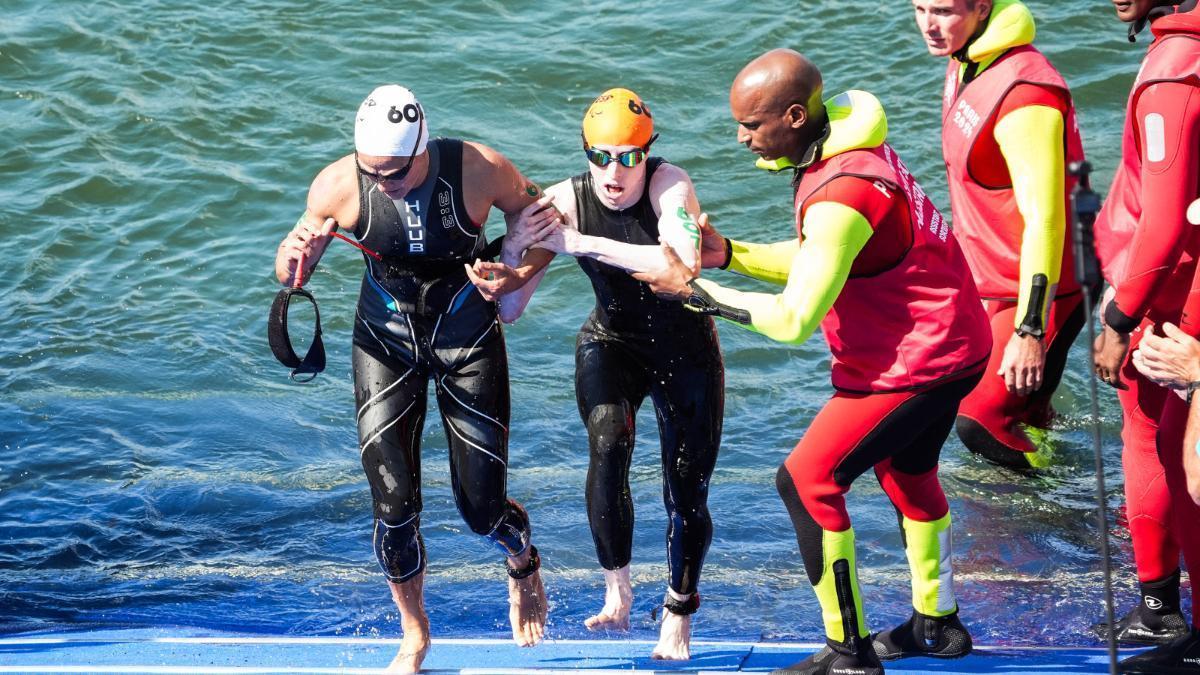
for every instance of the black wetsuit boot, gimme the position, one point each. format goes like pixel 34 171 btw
pixel 942 637
pixel 1156 620
pixel 1182 655
pixel 853 658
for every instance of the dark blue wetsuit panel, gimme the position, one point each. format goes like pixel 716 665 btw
pixel 632 345
pixel 418 318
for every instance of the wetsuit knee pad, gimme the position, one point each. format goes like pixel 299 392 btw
pixel 511 532
pixel 400 549
pixel 808 532
pixel 609 425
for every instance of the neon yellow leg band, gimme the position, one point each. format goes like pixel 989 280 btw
pixel 837 591
pixel 928 545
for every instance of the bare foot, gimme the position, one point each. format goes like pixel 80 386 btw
pixel 526 604
pixel 618 599
pixel 410 600
pixel 413 649
pixel 675 634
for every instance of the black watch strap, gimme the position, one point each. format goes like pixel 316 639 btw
pixel 704 303
pixel 1026 331
pixel 1031 323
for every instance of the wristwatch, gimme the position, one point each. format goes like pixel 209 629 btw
pixel 1191 389
pixel 1024 331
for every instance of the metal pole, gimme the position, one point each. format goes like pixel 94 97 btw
pixel 1087 271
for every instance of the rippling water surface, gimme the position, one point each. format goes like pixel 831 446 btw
pixel 157 467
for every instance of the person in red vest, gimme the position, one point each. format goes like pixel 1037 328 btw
pixel 876 267
pixel 1008 132
pixel 1148 251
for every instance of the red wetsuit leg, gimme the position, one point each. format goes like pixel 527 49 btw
pixel 990 417
pixel 1147 496
pixel 1185 513
pixel 851 434
pixel 835 433
pixel 994 411
pixel 910 478
pixel 855 432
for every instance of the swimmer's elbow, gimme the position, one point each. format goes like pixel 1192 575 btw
pixel 788 327
pixel 795 335
pixel 508 312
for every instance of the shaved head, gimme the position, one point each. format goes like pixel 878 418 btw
pixel 776 101
pixel 779 78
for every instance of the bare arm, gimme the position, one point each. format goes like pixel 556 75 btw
pixel 524 234
pixel 516 196
pixel 332 203
pixel 675 204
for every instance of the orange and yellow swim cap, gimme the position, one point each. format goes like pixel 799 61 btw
pixel 618 117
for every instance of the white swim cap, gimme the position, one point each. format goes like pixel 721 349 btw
pixel 389 123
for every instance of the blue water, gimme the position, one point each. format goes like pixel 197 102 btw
pixel 158 468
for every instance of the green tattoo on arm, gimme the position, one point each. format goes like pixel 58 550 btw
pixel 690 226
pixel 532 190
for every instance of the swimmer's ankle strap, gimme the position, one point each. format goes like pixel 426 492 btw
pixel 535 562
pixel 684 607
pixel 281 343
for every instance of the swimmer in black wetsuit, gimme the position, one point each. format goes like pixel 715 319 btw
pixel 634 345
pixel 420 204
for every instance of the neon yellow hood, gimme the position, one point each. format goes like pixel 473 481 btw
pixel 856 120
pixel 1010 25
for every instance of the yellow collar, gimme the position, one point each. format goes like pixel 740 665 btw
pixel 1009 25
pixel 856 120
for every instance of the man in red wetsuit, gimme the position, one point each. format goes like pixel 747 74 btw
pixel 1148 251
pixel 876 267
pixel 1008 132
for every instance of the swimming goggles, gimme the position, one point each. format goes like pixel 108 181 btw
pixel 627 159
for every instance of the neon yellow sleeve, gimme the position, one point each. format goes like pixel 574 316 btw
pixel 1031 140
pixel 833 236
pixel 765 262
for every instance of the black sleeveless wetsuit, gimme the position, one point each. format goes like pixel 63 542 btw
pixel 632 345
pixel 419 317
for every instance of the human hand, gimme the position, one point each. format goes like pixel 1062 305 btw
pixel 1023 364
pixel 306 242
pixel 670 282
pixel 1108 353
pixel 494 279
pixel 533 224
pixel 1172 360
pixel 712 245
pixel 565 240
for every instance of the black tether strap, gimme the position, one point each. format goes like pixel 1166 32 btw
pixel 304 370
pixel 281 343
